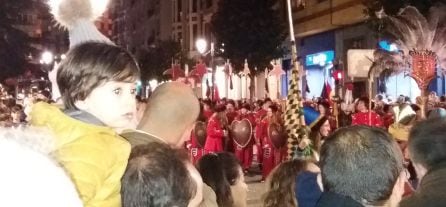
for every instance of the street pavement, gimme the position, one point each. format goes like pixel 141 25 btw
pixel 256 189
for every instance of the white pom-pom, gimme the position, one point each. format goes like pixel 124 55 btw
pixel 68 12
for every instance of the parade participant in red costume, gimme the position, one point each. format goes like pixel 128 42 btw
pixel 231 113
pixel 259 116
pixel 216 130
pixel 207 109
pixel 362 116
pixel 194 145
pixel 244 154
pixel 271 155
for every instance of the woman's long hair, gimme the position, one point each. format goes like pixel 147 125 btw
pixel 282 184
pixel 220 171
pixel 315 135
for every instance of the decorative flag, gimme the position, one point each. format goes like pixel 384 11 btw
pixel 326 91
pixel 266 83
pixel 208 88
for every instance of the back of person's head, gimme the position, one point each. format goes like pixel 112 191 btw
pixel 220 171
pixel 436 113
pixel 363 163
pixel 171 113
pixel 157 175
pixel 281 184
pixel 427 143
pixel 29 176
pixel 90 65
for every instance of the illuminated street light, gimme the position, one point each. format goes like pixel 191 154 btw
pixel 47 58
pixel 201 46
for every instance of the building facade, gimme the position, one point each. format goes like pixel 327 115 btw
pixel 327 29
pixel 37 22
pixel 191 21
pixel 139 24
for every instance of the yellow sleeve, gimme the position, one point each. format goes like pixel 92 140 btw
pixel 96 164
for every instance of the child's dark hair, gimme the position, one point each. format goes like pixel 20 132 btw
pixel 90 65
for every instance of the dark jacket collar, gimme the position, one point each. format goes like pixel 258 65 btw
pixel 329 199
pixel 436 176
pixel 83 116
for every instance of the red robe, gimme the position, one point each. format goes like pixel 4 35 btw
pixel 244 154
pixel 259 115
pixel 271 155
pixel 208 114
pixel 362 118
pixel 195 150
pixel 215 133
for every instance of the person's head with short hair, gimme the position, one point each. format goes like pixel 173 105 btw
pixel 100 79
pixel 365 164
pixel 379 97
pixel 427 144
pixel 230 106
pixel 157 175
pixel 30 176
pixel 207 105
pixel 245 108
pixel 223 173
pixel 171 113
pixel 266 103
pixel 363 104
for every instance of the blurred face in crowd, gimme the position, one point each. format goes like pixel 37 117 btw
pixel 230 108
pixel 361 106
pixel 239 190
pixel 243 111
pixel 321 109
pixel 113 103
pixel 206 107
pixel 269 112
pixel 266 105
pixel 16 117
pixel 325 129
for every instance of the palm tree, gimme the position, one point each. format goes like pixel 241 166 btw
pixel 422 44
pixel 415 35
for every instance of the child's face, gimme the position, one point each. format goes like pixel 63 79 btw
pixel 113 103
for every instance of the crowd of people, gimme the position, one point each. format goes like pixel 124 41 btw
pixel 101 146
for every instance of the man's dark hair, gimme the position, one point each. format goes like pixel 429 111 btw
pixel 220 171
pixel 361 162
pixel 90 65
pixel 427 142
pixel 157 175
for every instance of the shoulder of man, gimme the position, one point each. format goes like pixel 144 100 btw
pixel 136 138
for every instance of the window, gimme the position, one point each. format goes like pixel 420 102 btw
pixel 179 10
pixel 194 34
pixel 194 6
pixel 209 3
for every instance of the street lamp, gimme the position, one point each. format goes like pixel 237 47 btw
pixel 47 58
pixel 201 45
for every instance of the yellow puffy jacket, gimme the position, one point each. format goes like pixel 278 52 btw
pixel 94 156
